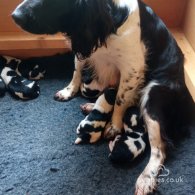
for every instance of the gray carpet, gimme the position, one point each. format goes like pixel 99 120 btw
pixel 38 155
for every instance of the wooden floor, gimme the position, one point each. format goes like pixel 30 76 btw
pixel 28 45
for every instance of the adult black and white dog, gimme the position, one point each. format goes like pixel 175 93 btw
pixel 126 45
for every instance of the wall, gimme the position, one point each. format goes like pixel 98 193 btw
pixel 6 8
pixel 189 23
pixel 171 11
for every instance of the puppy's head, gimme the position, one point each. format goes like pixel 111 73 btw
pixel 88 135
pixel 88 23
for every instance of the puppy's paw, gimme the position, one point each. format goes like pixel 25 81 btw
pixel 65 94
pixel 89 131
pixel 146 184
pixel 111 131
pixel 87 108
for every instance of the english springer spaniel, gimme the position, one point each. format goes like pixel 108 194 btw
pixel 127 46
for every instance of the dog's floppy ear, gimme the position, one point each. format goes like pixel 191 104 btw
pixel 93 23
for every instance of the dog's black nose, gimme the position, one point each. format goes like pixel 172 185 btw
pixel 19 18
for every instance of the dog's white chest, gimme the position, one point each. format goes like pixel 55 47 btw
pixel 123 53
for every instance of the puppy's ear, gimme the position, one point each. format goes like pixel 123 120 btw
pixel 93 25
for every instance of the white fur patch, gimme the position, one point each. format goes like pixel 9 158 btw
pixel 127 129
pixel 4 75
pixel 145 94
pixel 102 105
pixel 94 85
pixel 131 4
pixel 134 120
pixel 30 85
pixel 132 147
pixel 20 95
pixel 9 59
pixel 112 143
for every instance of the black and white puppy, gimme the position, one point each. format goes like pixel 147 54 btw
pixel 92 127
pixel 132 142
pixel 127 46
pixel 14 74
pixel 126 146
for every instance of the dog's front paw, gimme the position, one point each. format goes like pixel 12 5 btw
pixel 65 94
pixel 89 131
pixel 111 131
pixel 146 184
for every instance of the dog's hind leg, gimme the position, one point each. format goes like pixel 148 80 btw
pixel 157 108
pixel 70 91
pixel 147 181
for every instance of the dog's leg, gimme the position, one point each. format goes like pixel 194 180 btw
pixel 153 104
pixel 126 97
pixel 147 181
pixel 73 87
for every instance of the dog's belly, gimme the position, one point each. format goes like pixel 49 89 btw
pixel 105 69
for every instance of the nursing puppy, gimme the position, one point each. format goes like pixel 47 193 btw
pixel 132 142
pixel 129 47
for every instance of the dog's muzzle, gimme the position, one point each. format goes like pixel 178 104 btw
pixel 19 18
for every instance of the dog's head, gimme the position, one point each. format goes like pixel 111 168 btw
pixel 42 16
pixel 87 22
